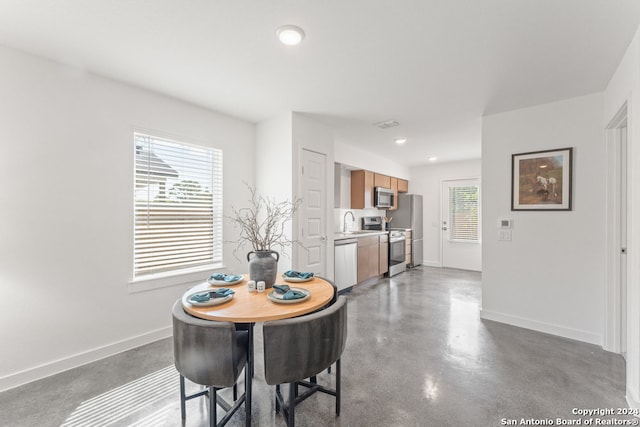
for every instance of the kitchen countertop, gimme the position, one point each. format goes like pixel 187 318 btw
pixel 357 233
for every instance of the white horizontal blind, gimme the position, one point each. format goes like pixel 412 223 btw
pixel 178 205
pixel 463 208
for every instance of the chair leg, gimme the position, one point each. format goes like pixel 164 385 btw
pixel 338 387
pixel 183 409
pixel 292 404
pixel 213 415
pixel 329 369
pixel 277 402
pixel 235 392
pixel 247 395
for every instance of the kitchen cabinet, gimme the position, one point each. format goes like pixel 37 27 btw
pixel 394 187
pixel 373 256
pixel 382 180
pixel 383 254
pixel 403 186
pixel 368 257
pixel 408 247
pixel 362 183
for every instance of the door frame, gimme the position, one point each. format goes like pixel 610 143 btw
pixel 299 254
pixel 612 331
pixel 442 208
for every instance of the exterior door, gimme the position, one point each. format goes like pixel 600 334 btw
pixel 461 246
pixel 313 214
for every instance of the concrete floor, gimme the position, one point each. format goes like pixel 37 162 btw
pixel 417 355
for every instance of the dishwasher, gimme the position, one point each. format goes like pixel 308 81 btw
pixel 346 263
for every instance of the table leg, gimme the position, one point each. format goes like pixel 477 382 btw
pixel 250 355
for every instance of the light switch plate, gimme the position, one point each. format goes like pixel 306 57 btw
pixel 504 235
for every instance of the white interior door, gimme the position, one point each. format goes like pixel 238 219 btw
pixel 461 247
pixel 313 214
pixel 619 308
pixel 623 239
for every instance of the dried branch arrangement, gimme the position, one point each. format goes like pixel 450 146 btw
pixel 262 222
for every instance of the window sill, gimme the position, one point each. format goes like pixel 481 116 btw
pixel 172 278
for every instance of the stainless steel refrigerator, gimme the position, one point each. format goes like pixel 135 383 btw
pixel 409 215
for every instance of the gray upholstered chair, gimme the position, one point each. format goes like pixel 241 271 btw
pixel 334 298
pixel 301 347
pixel 211 354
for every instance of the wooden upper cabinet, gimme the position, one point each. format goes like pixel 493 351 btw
pixel 362 183
pixel 382 181
pixel 394 187
pixel 403 186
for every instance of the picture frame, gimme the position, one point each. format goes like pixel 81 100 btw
pixel 542 180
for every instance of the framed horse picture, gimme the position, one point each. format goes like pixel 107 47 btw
pixel 541 180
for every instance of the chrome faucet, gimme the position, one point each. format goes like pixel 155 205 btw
pixel 344 220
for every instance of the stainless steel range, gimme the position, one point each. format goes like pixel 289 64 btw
pixel 397 254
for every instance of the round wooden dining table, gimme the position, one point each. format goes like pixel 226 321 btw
pixel 251 307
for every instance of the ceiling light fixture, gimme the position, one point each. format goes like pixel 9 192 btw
pixel 386 124
pixel 400 141
pixel 432 159
pixel 290 35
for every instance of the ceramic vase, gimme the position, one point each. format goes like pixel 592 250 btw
pixel 263 265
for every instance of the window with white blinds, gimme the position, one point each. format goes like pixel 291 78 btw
pixel 178 205
pixel 463 208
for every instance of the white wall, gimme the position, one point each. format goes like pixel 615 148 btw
pixel 550 277
pixel 348 155
pixel 342 186
pixel 274 169
pixel 274 156
pixel 624 88
pixel 427 180
pixel 66 219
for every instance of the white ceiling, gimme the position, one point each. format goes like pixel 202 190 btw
pixel 435 66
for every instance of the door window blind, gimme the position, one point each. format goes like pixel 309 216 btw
pixel 178 205
pixel 463 208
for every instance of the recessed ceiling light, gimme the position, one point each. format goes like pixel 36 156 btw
pixel 400 140
pixel 432 159
pixel 290 35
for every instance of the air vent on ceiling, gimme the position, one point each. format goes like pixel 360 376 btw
pixel 387 124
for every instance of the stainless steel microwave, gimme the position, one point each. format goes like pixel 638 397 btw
pixel 383 198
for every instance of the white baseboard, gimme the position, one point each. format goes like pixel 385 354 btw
pixel 432 263
pixel 79 359
pixel 632 400
pixel 562 331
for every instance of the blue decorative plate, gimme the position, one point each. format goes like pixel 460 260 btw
pixel 213 282
pixel 211 302
pixel 296 279
pixel 277 297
